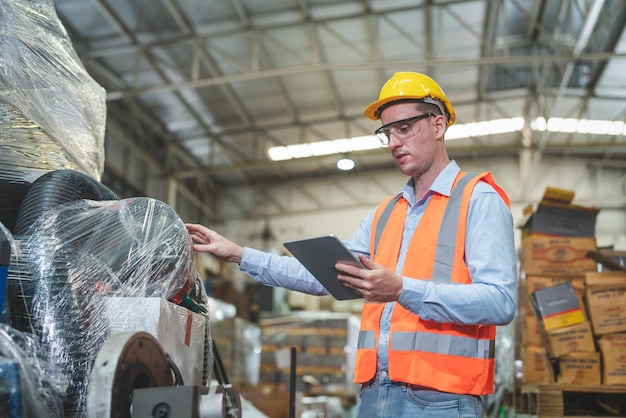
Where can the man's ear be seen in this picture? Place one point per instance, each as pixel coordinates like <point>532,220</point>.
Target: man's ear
<point>441,125</point>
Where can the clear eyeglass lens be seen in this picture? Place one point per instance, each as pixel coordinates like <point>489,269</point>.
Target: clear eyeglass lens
<point>401,130</point>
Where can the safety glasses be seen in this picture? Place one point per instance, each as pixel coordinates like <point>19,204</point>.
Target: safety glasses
<point>401,129</point>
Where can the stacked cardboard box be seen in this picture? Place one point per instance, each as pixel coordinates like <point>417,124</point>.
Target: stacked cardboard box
<point>605,295</point>
<point>584,338</point>
<point>567,335</point>
<point>556,340</point>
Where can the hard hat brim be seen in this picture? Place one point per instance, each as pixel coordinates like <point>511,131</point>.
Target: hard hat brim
<point>372,112</point>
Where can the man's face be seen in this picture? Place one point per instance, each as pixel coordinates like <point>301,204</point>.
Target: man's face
<point>416,152</point>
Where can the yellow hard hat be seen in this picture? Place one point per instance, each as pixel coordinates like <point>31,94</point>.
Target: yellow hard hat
<point>411,86</point>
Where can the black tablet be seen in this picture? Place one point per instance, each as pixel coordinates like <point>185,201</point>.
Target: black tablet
<point>319,255</point>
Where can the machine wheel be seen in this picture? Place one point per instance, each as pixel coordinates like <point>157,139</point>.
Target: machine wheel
<point>127,361</point>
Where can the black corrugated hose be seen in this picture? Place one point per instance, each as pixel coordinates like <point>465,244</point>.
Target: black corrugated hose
<point>27,293</point>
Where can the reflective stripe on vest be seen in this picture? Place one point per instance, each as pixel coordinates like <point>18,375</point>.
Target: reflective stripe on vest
<point>442,271</point>
<point>434,343</point>
<point>382,221</point>
<point>367,339</point>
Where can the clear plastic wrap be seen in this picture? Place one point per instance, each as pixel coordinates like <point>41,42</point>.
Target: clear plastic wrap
<point>52,113</point>
<point>34,386</point>
<point>42,386</point>
<point>77,254</point>
<point>43,78</point>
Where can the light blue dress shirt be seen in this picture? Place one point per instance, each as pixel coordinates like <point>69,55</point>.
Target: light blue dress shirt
<point>489,254</point>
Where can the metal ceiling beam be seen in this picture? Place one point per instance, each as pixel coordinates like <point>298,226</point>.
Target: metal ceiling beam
<point>109,15</point>
<point>330,81</point>
<point>352,66</point>
<point>178,16</point>
<point>266,62</point>
<point>589,23</point>
<point>135,48</point>
<point>116,22</point>
<point>208,60</point>
<point>611,43</point>
<point>241,13</point>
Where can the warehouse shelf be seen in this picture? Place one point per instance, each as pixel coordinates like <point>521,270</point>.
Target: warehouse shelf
<point>558,400</point>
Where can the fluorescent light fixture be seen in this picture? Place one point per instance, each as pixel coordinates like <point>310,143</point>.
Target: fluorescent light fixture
<point>457,131</point>
<point>565,125</point>
<point>278,153</point>
<point>484,128</point>
<point>539,124</point>
<point>586,126</point>
<point>336,146</point>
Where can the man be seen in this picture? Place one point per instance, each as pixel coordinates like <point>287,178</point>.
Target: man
<point>440,268</point>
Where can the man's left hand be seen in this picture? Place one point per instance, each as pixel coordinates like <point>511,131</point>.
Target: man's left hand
<point>374,282</point>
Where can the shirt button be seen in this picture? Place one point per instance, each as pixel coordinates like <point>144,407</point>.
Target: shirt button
<point>383,374</point>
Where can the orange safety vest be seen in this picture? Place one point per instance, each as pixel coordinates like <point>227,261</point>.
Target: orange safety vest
<point>442,356</point>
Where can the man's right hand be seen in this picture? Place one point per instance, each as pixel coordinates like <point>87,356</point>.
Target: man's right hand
<point>208,241</point>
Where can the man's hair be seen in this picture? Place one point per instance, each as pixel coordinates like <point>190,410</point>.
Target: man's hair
<point>428,108</point>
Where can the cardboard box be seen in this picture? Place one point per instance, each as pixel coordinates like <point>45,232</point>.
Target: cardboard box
<point>557,306</point>
<point>580,369</point>
<point>573,339</point>
<point>536,366</point>
<point>532,330</point>
<point>605,294</point>
<point>533,283</point>
<point>556,215</point>
<point>613,349</point>
<point>557,256</point>
<point>179,331</point>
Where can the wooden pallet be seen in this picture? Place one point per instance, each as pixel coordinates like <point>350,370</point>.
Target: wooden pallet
<point>557,400</point>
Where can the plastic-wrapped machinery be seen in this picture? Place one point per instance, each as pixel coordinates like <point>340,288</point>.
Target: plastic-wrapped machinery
<point>52,113</point>
<point>78,253</point>
<point>74,243</point>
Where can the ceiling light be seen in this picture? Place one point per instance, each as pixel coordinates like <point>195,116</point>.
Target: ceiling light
<point>345,164</point>
<point>278,153</point>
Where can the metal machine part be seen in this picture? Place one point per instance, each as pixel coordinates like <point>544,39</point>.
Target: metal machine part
<point>178,401</point>
<point>127,361</point>
<point>133,377</point>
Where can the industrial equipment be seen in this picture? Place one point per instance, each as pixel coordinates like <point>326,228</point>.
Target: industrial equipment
<point>108,289</point>
<point>133,377</point>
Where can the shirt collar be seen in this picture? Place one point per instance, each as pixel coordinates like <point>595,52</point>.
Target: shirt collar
<point>442,184</point>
